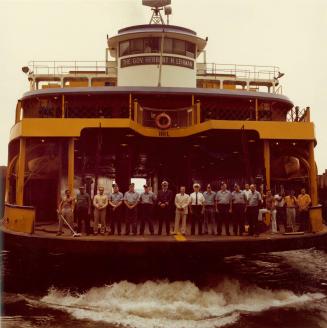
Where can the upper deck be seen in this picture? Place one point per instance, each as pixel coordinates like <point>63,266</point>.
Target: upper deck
<point>66,112</point>
<point>70,74</point>
<point>152,70</point>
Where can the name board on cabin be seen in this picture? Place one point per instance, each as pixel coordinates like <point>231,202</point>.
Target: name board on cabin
<point>155,60</point>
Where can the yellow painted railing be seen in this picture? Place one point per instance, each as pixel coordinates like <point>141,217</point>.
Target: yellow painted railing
<point>73,128</point>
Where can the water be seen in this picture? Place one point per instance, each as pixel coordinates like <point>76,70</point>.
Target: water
<point>287,289</point>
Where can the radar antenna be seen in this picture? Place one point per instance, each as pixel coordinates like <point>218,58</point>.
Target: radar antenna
<point>156,7</point>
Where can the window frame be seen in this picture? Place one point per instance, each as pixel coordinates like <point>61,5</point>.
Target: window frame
<point>182,52</point>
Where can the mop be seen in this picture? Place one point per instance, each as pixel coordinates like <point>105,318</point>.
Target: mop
<point>75,234</point>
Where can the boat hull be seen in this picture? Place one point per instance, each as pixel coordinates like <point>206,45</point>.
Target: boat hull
<point>159,246</point>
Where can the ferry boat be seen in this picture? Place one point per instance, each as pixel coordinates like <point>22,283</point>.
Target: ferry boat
<point>154,109</point>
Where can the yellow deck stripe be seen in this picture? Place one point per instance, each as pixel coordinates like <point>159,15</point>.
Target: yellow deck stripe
<point>180,237</point>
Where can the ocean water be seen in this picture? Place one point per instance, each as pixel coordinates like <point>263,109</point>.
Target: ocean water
<point>286,289</point>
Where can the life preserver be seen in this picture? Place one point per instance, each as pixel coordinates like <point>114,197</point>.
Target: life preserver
<point>163,121</point>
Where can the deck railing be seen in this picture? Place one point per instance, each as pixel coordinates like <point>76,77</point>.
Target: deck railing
<point>180,117</point>
<point>54,68</point>
<point>233,71</point>
<point>299,115</point>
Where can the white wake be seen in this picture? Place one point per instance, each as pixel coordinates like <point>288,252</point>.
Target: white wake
<point>171,304</point>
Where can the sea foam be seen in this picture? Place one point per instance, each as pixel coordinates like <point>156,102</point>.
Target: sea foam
<point>156,304</point>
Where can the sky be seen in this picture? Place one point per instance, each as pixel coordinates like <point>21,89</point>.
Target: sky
<point>291,34</point>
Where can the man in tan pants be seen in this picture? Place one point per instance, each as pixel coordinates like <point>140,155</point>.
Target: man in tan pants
<point>100,202</point>
<point>181,203</point>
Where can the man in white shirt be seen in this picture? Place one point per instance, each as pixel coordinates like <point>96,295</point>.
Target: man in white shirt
<point>181,203</point>
<point>280,210</point>
<point>254,201</point>
<point>196,209</point>
<point>100,202</point>
<point>247,190</point>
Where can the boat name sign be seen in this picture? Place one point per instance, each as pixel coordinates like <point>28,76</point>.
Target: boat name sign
<point>155,60</point>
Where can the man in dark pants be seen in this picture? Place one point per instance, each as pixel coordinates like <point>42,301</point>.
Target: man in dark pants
<point>115,203</point>
<point>254,201</point>
<point>304,202</point>
<point>164,199</point>
<point>196,209</point>
<point>83,210</point>
<point>131,199</point>
<point>147,200</point>
<point>238,210</point>
<point>209,210</point>
<point>223,208</point>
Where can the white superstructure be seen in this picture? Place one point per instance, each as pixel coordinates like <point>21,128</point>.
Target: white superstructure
<point>156,55</point>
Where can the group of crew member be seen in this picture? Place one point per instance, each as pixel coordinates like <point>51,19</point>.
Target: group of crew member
<point>210,211</point>
<point>285,210</point>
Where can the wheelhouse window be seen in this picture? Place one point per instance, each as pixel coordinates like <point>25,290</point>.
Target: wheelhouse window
<point>168,46</point>
<point>179,47</point>
<point>124,48</point>
<point>190,49</point>
<point>136,46</point>
<point>152,45</point>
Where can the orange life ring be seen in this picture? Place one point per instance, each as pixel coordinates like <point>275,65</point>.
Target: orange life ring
<point>163,121</point>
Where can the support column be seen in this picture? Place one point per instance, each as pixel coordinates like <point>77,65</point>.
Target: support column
<point>313,175</point>
<point>155,187</point>
<point>198,112</point>
<point>18,111</point>
<point>130,106</point>
<point>266,154</point>
<point>135,111</point>
<point>193,111</point>
<point>21,172</point>
<point>71,173</point>
<point>193,114</point>
<point>316,209</point>
<point>63,106</point>
<point>256,110</point>
<point>123,168</point>
<point>110,185</point>
<point>59,171</point>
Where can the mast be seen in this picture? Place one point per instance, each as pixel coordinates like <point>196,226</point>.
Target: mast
<point>157,6</point>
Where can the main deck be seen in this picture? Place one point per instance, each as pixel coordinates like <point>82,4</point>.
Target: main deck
<point>44,240</point>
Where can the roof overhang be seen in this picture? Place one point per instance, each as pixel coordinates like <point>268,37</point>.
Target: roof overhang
<point>141,31</point>
<point>159,91</point>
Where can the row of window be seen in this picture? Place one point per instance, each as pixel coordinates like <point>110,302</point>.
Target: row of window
<point>153,45</point>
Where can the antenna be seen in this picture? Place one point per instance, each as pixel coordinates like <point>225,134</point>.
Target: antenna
<point>156,7</point>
